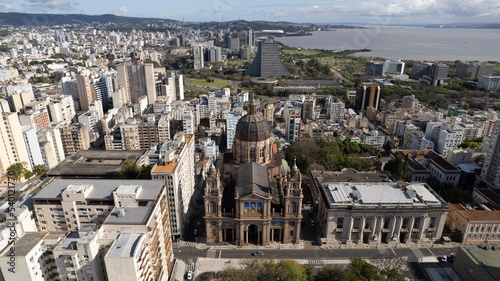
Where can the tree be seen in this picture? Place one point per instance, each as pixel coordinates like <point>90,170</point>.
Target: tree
<point>331,273</point>
<point>40,169</point>
<point>129,170</point>
<point>17,170</point>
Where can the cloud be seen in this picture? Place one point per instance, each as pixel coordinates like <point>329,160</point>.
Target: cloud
<point>52,4</point>
<point>394,8</point>
<point>122,11</point>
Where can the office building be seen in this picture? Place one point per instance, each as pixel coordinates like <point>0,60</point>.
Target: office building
<point>474,69</point>
<point>488,83</point>
<point>292,123</point>
<point>267,61</point>
<point>420,70</point>
<point>137,79</point>
<point>375,68</point>
<point>234,43</point>
<point>374,213</point>
<point>367,95</point>
<point>491,167</point>
<point>394,67</point>
<point>439,73</point>
<point>176,168</point>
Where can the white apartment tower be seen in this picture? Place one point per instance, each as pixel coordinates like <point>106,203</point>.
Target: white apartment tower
<point>491,168</point>
<point>12,146</point>
<point>177,170</point>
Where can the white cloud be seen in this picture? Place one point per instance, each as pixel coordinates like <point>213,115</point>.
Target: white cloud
<point>397,8</point>
<point>53,4</point>
<point>122,11</point>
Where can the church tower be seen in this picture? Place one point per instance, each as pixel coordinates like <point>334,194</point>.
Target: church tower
<point>293,205</point>
<point>213,204</point>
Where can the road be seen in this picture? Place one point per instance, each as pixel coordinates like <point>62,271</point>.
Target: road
<point>315,253</point>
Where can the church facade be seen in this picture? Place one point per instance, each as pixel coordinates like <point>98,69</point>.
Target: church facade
<point>259,203</point>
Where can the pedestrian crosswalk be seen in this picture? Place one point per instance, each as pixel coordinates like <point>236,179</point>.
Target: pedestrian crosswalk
<point>211,254</point>
<point>417,253</point>
<point>190,266</point>
<point>315,262</point>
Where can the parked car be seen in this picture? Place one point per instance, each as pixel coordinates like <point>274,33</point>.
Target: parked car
<point>444,258</point>
<point>189,275</point>
<point>258,253</point>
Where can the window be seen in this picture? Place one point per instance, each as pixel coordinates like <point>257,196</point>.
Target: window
<point>368,223</point>
<point>387,221</point>
<point>416,223</point>
<point>355,224</point>
<point>405,223</point>
<point>432,223</point>
<point>340,223</point>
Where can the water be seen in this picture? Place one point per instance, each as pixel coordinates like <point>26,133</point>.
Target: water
<point>415,43</point>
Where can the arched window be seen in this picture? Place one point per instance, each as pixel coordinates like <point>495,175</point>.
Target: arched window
<point>212,208</point>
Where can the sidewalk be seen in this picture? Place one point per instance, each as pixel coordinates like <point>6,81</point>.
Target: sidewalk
<point>179,270</point>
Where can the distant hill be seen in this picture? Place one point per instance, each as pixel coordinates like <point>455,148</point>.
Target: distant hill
<point>18,19</point>
<point>466,25</point>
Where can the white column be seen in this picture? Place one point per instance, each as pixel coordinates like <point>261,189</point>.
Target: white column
<point>349,230</point>
<point>410,228</point>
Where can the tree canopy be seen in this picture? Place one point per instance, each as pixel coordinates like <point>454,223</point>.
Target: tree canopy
<point>130,170</point>
<point>332,155</point>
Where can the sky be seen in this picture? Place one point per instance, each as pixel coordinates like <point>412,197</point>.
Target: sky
<point>380,12</point>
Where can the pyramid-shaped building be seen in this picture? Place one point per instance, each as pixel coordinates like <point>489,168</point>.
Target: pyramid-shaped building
<point>267,62</point>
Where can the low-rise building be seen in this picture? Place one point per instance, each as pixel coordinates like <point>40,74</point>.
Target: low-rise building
<point>367,207</point>
<point>474,224</point>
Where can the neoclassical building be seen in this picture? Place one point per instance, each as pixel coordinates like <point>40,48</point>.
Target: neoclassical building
<point>258,202</point>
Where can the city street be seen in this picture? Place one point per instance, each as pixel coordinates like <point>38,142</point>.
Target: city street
<point>313,253</point>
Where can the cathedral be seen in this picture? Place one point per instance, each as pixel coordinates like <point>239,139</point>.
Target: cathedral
<point>258,199</point>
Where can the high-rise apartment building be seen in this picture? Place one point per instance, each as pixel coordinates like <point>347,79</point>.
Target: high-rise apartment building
<point>336,110</point>
<point>188,122</point>
<point>449,140</point>
<point>75,137</point>
<point>231,121</point>
<point>292,128</point>
<point>179,87</point>
<point>268,113</point>
<point>137,79</point>
<point>32,146</point>
<point>12,146</point>
<point>86,92</point>
<point>198,57</point>
<point>176,168</point>
<point>250,38</point>
<point>491,167</point>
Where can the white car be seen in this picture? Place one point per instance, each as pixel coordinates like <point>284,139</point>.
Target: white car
<point>189,275</point>
<point>312,223</point>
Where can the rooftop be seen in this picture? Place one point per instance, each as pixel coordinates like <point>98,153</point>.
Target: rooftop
<point>477,215</point>
<point>96,163</point>
<point>125,246</point>
<point>103,188</point>
<point>25,244</point>
<point>413,157</point>
<point>363,194</point>
<point>69,242</point>
<point>130,215</point>
<point>253,178</point>
<point>167,168</point>
<point>489,259</point>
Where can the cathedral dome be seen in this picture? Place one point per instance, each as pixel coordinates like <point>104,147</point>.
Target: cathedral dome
<point>252,128</point>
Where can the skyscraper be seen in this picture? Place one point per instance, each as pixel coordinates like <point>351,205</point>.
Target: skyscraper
<point>137,79</point>
<point>250,38</point>
<point>491,168</point>
<point>368,95</point>
<point>198,60</point>
<point>267,61</point>
<point>85,92</point>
